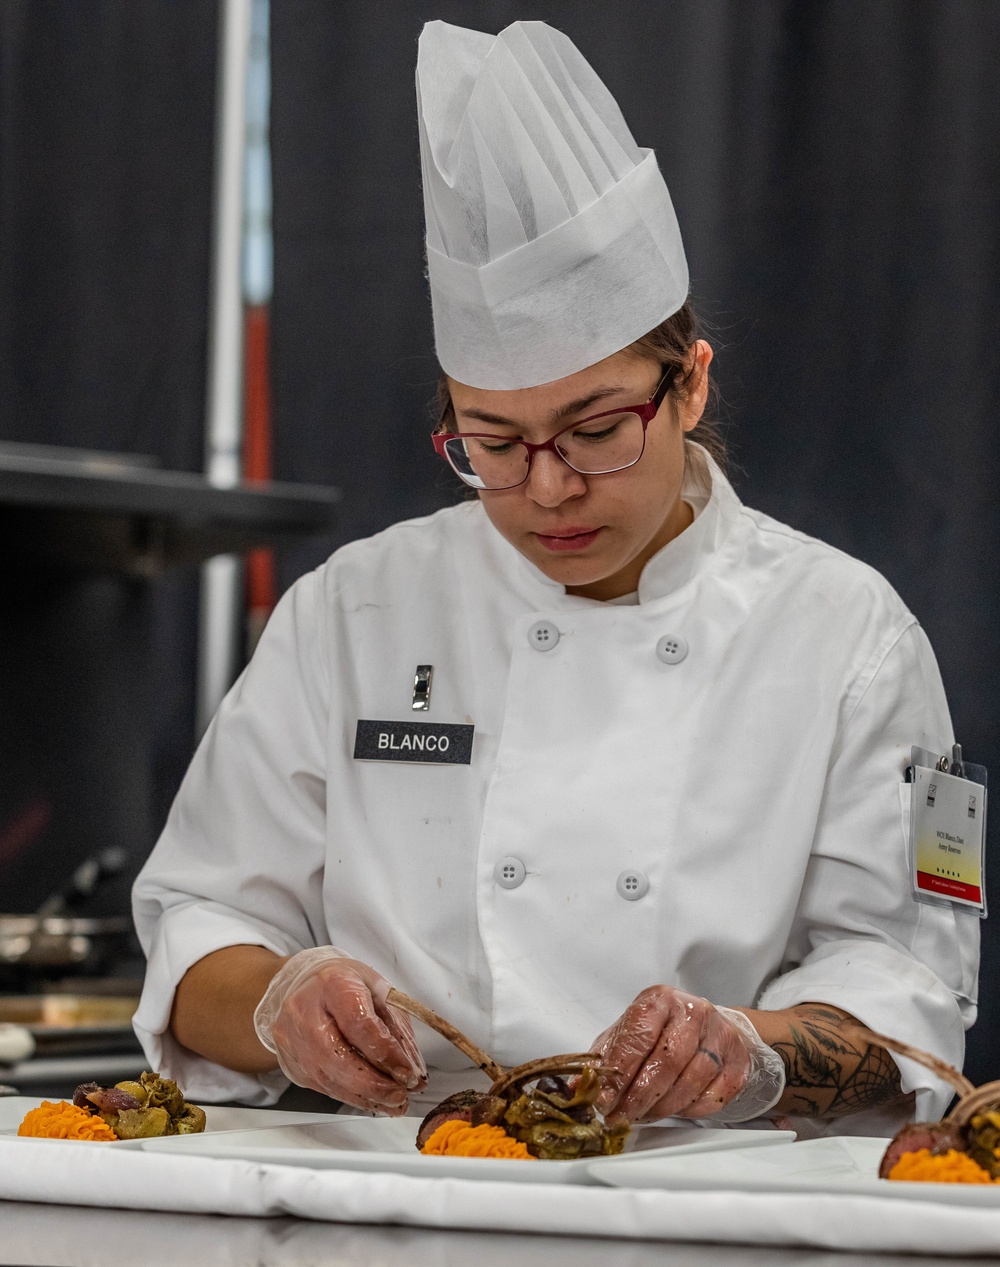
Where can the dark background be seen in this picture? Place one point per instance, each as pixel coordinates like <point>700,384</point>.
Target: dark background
<point>836,171</point>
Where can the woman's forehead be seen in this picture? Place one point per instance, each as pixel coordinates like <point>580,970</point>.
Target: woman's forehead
<point>620,379</point>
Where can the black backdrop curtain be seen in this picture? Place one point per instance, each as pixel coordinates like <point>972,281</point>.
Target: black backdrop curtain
<point>835,168</point>
<point>106,127</point>
<point>105,196</point>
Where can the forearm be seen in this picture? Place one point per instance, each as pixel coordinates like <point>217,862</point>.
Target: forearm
<point>829,1071</point>
<point>214,1006</point>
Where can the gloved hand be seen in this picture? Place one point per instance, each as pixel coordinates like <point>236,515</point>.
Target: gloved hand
<point>325,1017</point>
<point>679,1056</point>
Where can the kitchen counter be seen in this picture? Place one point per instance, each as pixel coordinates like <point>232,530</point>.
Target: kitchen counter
<point>61,1236</point>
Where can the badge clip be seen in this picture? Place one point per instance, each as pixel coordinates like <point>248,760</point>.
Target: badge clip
<point>422,688</point>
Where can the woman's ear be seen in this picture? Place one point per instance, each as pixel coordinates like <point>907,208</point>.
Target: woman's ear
<point>691,405</point>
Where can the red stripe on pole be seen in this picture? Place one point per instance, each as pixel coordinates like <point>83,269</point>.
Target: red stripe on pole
<point>257,463</point>
<point>261,581</point>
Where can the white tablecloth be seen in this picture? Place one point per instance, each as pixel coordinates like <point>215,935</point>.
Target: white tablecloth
<point>98,1175</point>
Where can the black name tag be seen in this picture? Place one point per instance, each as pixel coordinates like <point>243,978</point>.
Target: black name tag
<point>436,742</point>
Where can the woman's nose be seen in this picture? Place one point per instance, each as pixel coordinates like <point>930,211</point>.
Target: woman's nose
<point>550,481</point>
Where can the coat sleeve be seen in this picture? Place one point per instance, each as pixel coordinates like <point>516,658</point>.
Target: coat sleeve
<point>241,858</point>
<point>860,941</point>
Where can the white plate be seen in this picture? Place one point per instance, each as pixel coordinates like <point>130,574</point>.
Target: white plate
<point>388,1144</point>
<point>217,1119</point>
<point>842,1164</point>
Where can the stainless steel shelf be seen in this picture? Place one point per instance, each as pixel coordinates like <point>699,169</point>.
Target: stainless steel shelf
<point>57,1076</point>
<point>115,511</point>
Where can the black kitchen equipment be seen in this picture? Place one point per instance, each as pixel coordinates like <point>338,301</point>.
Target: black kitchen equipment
<point>55,943</point>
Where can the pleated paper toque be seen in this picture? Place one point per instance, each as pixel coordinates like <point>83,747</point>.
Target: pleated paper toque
<point>551,238</point>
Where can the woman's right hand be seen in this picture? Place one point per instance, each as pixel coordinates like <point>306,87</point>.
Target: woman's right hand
<point>326,1019</point>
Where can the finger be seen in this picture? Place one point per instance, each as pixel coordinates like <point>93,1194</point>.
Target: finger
<point>399,1025</point>
<point>396,1021</point>
<point>348,1000</point>
<point>699,1073</point>
<point>334,1066</point>
<point>733,1074</point>
<point>731,1080</point>
<point>674,1049</point>
<point>716,1095</point>
<point>719,1051</point>
<point>627,1044</point>
<point>314,1053</point>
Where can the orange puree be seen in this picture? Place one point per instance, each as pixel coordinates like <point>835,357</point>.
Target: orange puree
<point>459,1139</point>
<point>64,1121</point>
<point>950,1167</point>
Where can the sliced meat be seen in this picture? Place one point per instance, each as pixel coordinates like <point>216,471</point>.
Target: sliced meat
<point>456,1108</point>
<point>112,1100</point>
<point>81,1096</point>
<point>97,1099</point>
<point>489,1110</point>
<point>937,1137</point>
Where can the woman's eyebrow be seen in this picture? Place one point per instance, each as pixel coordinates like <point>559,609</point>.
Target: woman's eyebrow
<point>572,407</point>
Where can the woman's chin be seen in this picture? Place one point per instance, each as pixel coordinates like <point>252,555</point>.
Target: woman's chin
<point>572,572</point>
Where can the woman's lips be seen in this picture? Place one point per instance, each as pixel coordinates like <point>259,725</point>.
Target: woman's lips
<point>572,540</point>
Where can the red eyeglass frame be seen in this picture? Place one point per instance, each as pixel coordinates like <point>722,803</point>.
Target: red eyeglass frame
<point>646,413</point>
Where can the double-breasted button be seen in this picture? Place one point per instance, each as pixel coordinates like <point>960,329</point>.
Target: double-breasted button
<point>543,635</point>
<point>509,872</point>
<point>671,649</point>
<point>632,885</point>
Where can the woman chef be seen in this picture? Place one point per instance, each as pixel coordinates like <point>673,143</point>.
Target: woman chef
<point>647,781</point>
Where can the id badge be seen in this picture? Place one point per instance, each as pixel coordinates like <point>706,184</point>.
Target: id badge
<point>947,834</point>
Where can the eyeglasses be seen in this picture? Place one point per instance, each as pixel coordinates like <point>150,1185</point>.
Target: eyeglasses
<point>598,445</point>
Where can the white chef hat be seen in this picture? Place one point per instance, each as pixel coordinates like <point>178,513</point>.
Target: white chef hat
<point>551,238</point>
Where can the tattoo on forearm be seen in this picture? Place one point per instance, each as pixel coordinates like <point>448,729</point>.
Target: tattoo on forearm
<point>830,1073</point>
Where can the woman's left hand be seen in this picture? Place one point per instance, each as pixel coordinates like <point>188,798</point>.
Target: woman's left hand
<point>675,1055</point>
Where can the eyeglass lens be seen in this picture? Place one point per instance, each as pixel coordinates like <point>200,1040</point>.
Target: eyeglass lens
<point>611,444</point>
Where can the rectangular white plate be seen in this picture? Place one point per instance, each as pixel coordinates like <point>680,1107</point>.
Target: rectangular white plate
<point>217,1119</point>
<point>388,1144</point>
<point>841,1164</point>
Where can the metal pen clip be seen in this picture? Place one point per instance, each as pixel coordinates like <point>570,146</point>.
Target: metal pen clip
<point>953,766</point>
<point>422,688</point>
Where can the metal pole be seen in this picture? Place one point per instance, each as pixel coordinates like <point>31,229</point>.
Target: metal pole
<point>221,579</point>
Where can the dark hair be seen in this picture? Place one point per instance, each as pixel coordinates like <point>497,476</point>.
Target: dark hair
<point>669,344</point>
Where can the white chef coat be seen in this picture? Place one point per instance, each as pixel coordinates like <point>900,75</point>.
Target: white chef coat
<point>757,784</point>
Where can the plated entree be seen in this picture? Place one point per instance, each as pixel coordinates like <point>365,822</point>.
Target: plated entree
<point>147,1108</point>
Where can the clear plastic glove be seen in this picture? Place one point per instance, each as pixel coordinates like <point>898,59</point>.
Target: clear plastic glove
<point>766,1083</point>
<point>325,1017</point>
<point>679,1056</point>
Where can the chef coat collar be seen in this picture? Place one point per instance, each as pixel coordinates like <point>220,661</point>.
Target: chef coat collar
<point>716,509</point>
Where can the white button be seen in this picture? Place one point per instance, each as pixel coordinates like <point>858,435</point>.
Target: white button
<point>671,649</point>
<point>543,635</point>
<point>632,885</point>
<point>509,873</point>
